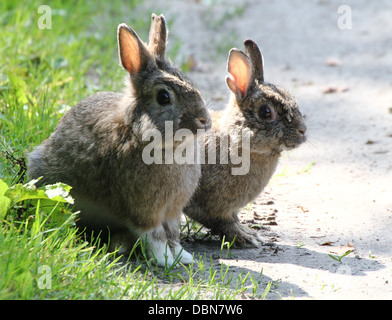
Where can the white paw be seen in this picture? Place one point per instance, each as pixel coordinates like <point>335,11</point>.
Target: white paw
<point>161,252</point>
<point>186,257</point>
<point>157,249</point>
<point>164,260</point>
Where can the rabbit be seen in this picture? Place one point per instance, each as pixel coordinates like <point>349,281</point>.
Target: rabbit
<point>271,118</point>
<point>97,148</point>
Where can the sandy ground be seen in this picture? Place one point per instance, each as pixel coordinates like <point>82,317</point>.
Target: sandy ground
<point>333,194</point>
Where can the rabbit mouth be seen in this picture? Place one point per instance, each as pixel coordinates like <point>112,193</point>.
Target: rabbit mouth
<point>292,144</point>
<point>195,124</point>
<point>203,123</point>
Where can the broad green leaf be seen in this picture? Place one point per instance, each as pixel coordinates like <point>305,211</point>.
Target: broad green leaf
<point>5,202</point>
<point>59,192</point>
<point>3,187</point>
<point>19,193</point>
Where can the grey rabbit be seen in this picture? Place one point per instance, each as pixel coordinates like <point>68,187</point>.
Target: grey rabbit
<point>97,148</point>
<point>270,116</point>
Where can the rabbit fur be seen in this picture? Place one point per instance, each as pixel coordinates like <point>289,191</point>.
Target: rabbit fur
<point>97,149</point>
<point>271,118</point>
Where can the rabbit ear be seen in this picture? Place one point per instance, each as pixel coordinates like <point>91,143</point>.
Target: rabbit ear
<point>158,35</point>
<point>254,53</point>
<point>241,73</point>
<point>132,51</point>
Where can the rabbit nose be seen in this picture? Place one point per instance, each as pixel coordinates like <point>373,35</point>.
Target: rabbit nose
<point>203,123</point>
<point>302,130</point>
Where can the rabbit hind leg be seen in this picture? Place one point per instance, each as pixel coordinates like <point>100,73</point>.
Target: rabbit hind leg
<point>172,230</point>
<point>156,245</point>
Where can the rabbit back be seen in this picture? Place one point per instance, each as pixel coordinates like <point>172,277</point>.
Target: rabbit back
<point>94,152</point>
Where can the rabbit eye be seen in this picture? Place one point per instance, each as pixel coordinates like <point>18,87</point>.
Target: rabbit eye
<point>265,112</point>
<point>163,97</point>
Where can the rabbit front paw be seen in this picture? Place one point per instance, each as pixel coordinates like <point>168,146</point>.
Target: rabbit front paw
<point>185,256</point>
<point>161,252</point>
<point>243,236</point>
<point>166,256</point>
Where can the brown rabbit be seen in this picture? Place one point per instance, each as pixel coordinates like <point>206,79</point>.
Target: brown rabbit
<point>269,117</point>
<point>97,148</point>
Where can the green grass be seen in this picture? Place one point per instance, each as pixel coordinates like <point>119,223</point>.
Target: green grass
<point>43,256</point>
<point>339,258</point>
<point>43,73</point>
